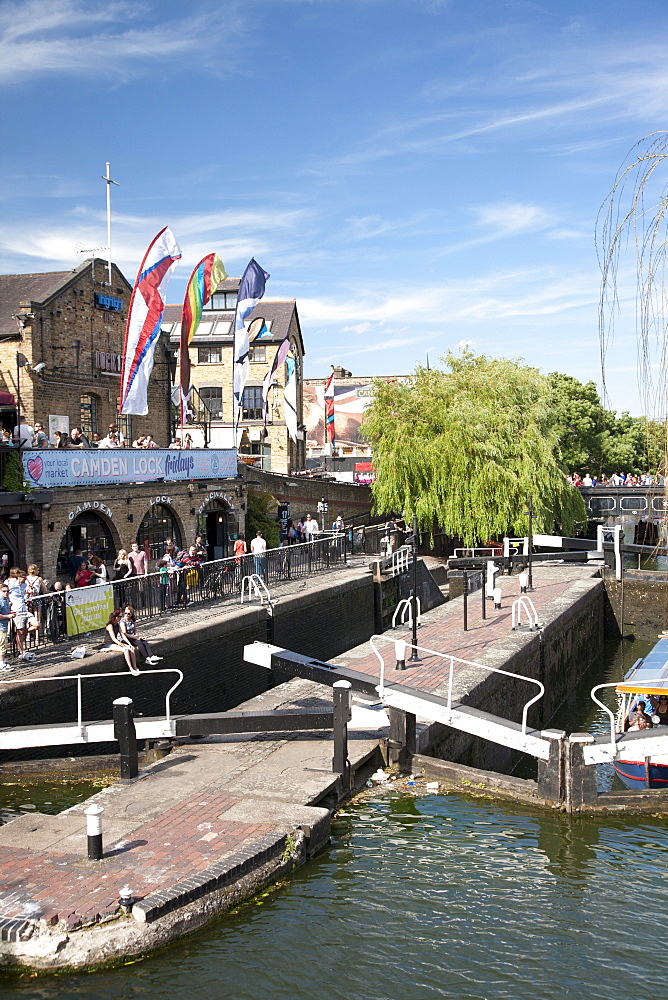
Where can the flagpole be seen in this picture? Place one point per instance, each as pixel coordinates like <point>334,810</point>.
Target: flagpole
<point>107,177</point>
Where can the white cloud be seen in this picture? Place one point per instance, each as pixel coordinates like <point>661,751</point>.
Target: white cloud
<point>74,38</point>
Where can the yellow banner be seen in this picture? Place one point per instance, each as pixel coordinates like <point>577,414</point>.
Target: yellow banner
<point>88,608</point>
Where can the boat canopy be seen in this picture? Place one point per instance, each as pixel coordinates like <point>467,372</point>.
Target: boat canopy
<point>649,675</point>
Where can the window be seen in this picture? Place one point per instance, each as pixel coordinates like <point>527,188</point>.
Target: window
<point>660,503</point>
<point>261,453</point>
<point>251,403</point>
<point>223,300</point>
<point>88,415</point>
<point>209,355</point>
<point>212,396</point>
<point>258,352</point>
<point>158,525</point>
<point>599,504</point>
<point>124,424</point>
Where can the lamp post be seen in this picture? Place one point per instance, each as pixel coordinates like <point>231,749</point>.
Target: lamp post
<point>414,657</point>
<point>530,515</point>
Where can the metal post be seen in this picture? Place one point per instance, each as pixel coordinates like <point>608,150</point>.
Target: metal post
<point>93,816</point>
<point>401,745</point>
<point>414,658</point>
<point>125,733</point>
<point>342,715</point>
<point>482,591</point>
<point>530,543</point>
<point>466,600</point>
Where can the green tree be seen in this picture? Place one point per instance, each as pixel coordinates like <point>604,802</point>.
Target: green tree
<point>466,447</point>
<point>580,421</point>
<point>595,440</point>
<point>258,517</point>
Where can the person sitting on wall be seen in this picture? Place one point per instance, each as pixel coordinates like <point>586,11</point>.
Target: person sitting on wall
<point>118,643</point>
<point>128,627</point>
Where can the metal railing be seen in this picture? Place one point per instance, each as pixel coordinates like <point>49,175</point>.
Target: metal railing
<point>85,677</point>
<point>453,660</point>
<point>525,604</point>
<point>218,580</point>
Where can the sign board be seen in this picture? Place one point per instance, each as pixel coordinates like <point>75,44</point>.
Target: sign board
<point>88,608</point>
<point>89,466</point>
<point>58,423</point>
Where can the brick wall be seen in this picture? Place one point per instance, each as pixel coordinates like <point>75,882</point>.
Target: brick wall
<point>348,498</point>
<point>72,315</point>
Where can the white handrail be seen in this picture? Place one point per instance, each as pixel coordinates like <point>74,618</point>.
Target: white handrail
<point>80,677</point>
<point>614,684</point>
<point>406,606</point>
<point>468,663</point>
<point>259,587</point>
<point>530,610</point>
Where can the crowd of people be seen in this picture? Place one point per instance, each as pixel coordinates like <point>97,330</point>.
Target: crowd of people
<point>26,436</point>
<point>616,479</point>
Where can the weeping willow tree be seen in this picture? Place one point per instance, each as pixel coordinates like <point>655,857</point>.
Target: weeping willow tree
<point>466,447</point>
<point>633,223</point>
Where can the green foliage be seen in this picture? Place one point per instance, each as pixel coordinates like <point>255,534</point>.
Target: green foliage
<point>466,448</point>
<point>595,440</point>
<point>14,479</point>
<point>258,517</point>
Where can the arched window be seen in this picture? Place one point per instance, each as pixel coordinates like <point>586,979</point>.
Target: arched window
<point>158,525</point>
<point>90,533</point>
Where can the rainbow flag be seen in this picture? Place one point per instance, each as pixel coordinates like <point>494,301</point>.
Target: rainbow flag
<point>204,280</point>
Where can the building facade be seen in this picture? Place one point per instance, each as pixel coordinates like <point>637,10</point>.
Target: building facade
<point>61,342</point>
<point>268,447</point>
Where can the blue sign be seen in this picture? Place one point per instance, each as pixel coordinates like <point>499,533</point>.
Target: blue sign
<point>108,302</point>
<point>63,467</point>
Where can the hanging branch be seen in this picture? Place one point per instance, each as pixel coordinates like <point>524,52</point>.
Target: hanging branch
<point>635,212</point>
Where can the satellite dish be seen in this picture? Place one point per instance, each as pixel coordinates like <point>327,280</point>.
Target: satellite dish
<point>255,328</point>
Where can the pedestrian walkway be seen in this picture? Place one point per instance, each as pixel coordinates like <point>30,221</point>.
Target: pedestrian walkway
<point>442,630</point>
<point>195,823</point>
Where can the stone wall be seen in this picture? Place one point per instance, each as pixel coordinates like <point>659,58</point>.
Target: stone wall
<point>321,622</point>
<point>562,653</point>
<point>645,596</point>
<point>348,498</point>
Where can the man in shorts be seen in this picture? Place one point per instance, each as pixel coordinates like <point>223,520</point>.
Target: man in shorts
<point>6,615</point>
<point>24,621</point>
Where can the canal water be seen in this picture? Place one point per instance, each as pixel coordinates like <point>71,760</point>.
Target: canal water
<point>437,895</point>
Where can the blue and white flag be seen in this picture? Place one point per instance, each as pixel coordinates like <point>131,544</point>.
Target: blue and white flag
<point>251,291</point>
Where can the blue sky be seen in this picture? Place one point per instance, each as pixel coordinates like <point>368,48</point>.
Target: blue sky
<point>417,174</point>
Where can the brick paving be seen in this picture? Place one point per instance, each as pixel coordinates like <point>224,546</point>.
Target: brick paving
<point>186,840</point>
<point>190,848</point>
<point>442,630</point>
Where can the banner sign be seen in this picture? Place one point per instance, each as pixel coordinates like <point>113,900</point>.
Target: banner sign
<point>85,467</point>
<point>88,608</point>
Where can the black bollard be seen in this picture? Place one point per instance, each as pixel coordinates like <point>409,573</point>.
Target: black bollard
<point>125,733</point>
<point>482,591</point>
<point>342,715</point>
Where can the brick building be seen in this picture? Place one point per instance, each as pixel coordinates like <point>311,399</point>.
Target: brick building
<point>61,341</point>
<point>211,359</point>
<point>73,324</point>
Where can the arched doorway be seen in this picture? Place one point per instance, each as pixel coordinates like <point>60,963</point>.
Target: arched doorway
<point>90,533</point>
<point>218,524</point>
<point>159,524</point>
